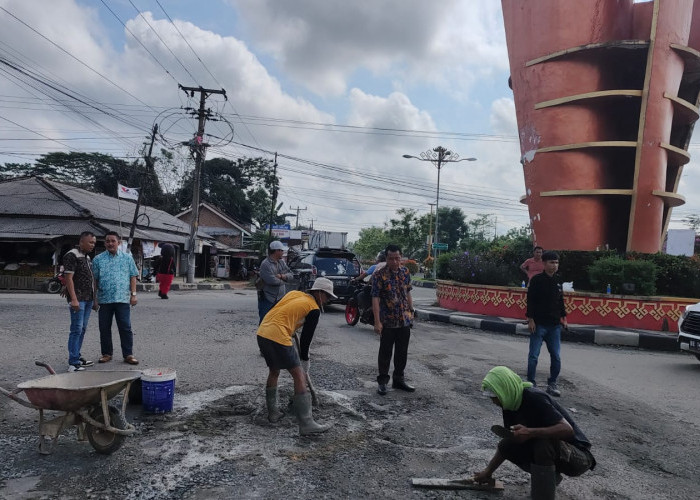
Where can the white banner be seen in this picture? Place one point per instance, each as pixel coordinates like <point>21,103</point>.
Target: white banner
<point>150,249</point>
<point>127,192</point>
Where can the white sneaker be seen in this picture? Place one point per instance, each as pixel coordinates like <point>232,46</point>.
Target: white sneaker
<point>76,368</point>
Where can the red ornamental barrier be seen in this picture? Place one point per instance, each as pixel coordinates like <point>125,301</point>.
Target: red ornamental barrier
<point>626,311</point>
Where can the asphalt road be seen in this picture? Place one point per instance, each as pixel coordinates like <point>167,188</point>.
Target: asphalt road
<point>640,410</point>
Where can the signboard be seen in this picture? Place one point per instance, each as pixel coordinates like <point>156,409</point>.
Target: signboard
<point>281,234</point>
<point>439,246</point>
<point>680,242</point>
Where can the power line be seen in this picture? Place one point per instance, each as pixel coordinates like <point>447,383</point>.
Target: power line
<point>139,41</point>
<point>72,56</point>
<point>188,43</point>
<point>162,41</point>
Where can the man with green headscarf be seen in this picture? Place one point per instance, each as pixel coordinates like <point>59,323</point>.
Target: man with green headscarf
<point>539,435</point>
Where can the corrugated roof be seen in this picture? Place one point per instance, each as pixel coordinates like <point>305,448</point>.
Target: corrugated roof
<point>105,208</point>
<point>147,234</point>
<point>20,227</point>
<point>29,196</point>
<point>20,199</point>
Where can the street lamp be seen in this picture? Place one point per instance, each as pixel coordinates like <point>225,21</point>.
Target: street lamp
<point>438,156</point>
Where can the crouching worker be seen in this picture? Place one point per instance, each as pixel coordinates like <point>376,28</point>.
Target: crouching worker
<point>276,345</point>
<point>538,436</point>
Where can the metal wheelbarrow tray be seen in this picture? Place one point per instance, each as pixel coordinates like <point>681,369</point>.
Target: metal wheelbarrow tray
<point>83,396</point>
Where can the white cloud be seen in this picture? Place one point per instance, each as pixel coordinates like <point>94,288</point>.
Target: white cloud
<point>321,43</point>
<point>503,120</point>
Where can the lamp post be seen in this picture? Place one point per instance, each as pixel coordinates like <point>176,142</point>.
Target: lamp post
<point>438,156</point>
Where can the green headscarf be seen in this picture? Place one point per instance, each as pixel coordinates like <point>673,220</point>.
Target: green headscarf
<point>506,385</point>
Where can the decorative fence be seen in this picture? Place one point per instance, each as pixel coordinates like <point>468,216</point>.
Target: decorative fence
<point>627,311</point>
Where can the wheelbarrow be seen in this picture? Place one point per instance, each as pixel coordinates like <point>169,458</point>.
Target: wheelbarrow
<point>83,396</point>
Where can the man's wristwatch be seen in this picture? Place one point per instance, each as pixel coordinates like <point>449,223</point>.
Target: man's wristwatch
<point>133,294</point>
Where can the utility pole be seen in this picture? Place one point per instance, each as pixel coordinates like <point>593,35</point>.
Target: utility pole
<point>438,156</point>
<point>274,200</point>
<point>199,147</point>
<point>144,180</point>
<point>430,230</point>
<point>297,209</point>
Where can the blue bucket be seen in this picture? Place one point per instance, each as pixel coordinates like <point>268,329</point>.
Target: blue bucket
<point>158,389</point>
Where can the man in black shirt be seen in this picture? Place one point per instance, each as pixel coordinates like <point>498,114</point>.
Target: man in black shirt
<point>538,436</point>
<point>545,317</point>
<point>80,294</point>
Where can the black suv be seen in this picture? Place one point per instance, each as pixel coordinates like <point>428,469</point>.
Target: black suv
<point>336,264</point>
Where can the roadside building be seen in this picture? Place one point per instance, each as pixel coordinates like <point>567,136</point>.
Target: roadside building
<point>230,249</point>
<point>40,220</point>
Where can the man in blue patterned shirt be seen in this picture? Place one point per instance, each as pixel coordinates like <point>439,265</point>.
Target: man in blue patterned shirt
<point>392,306</point>
<point>115,280</point>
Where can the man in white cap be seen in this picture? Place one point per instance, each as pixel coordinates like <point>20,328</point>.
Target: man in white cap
<point>277,347</point>
<point>275,273</point>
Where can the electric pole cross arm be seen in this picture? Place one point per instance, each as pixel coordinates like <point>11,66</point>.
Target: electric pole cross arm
<point>200,153</point>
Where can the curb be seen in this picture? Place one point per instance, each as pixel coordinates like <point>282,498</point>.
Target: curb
<point>153,287</point>
<point>423,284</point>
<point>575,333</point>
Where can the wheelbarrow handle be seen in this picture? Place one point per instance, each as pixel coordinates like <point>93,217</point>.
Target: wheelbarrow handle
<point>13,395</point>
<point>45,365</point>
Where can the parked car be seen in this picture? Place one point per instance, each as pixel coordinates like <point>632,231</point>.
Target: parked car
<point>689,330</point>
<point>338,265</point>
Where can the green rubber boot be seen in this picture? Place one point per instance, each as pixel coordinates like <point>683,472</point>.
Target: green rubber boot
<point>302,407</point>
<point>543,482</point>
<point>273,412</point>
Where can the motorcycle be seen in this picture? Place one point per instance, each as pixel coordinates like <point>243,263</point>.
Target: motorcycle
<point>148,275</point>
<point>55,284</point>
<point>359,306</point>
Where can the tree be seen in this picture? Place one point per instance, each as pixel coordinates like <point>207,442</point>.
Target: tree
<point>242,188</point>
<point>692,221</point>
<point>371,241</point>
<point>94,172</point>
<point>452,227</point>
<point>405,231</point>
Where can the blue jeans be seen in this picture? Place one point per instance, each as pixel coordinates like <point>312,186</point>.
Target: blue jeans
<point>122,313</point>
<point>264,306</point>
<point>78,325</point>
<point>551,335</point>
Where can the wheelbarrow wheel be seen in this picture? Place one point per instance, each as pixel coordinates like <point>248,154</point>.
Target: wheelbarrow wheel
<point>102,440</point>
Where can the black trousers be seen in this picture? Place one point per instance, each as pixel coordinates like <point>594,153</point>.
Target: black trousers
<point>567,458</point>
<point>393,340</point>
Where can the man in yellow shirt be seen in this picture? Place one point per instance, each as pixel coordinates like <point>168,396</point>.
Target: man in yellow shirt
<point>277,347</point>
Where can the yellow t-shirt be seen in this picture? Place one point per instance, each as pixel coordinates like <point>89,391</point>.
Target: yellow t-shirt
<point>286,316</point>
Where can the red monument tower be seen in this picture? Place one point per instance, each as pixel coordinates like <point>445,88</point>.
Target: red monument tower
<point>606,96</point>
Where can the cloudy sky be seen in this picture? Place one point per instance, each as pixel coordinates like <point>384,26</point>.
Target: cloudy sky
<point>339,89</point>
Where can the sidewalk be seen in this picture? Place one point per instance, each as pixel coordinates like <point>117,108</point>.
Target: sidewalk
<point>587,334</point>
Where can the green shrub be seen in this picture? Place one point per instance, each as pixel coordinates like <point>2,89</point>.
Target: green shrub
<point>574,264</point>
<point>676,275</point>
<point>486,269</point>
<point>616,271</point>
<point>443,266</point>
